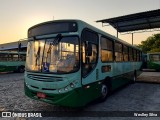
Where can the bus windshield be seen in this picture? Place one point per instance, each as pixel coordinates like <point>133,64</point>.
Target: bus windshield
<point>48,56</point>
<point>155,57</point>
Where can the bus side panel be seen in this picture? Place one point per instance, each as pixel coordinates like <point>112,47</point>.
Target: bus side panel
<point>122,74</point>
<point>119,81</point>
<point>153,65</point>
<point>126,73</point>
<point>10,66</point>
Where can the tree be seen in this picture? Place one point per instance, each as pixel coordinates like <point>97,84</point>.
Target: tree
<point>152,44</point>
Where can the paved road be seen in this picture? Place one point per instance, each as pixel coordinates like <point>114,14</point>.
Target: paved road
<point>150,77</point>
<point>134,97</point>
<point>145,74</point>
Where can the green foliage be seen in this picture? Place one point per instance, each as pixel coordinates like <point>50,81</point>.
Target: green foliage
<point>152,44</point>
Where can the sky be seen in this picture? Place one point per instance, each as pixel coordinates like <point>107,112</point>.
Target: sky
<point>17,16</point>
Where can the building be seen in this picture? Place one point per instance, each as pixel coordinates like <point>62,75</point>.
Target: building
<point>14,46</point>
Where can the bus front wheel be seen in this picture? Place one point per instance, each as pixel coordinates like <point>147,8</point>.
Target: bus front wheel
<point>21,69</point>
<point>104,92</point>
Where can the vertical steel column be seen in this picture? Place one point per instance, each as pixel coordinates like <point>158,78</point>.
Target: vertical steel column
<point>132,38</point>
<point>117,29</point>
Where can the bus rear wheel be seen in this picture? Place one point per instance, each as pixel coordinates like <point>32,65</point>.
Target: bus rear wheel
<point>134,77</point>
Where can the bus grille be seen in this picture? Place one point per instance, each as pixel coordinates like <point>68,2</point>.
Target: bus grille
<point>44,78</point>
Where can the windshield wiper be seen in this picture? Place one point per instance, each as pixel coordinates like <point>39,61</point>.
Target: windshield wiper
<point>57,39</point>
<point>55,42</point>
<point>38,54</point>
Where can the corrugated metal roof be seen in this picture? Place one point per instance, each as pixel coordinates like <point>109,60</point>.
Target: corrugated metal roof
<point>13,45</point>
<point>137,21</point>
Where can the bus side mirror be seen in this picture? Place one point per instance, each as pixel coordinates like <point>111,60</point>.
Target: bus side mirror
<point>89,49</point>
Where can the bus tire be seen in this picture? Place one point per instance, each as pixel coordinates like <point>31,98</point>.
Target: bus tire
<point>104,92</point>
<point>21,69</point>
<point>134,79</point>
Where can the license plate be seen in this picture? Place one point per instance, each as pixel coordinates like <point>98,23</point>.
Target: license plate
<point>41,95</point>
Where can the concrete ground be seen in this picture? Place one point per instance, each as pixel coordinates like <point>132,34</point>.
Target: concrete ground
<point>137,97</point>
<point>151,77</point>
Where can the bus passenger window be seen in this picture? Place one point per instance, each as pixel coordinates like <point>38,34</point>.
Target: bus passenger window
<point>135,55</point>
<point>106,50</point>
<point>130,54</point>
<point>138,55</point>
<point>15,57</point>
<point>125,53</point>
<point>154,57</point>
<point>118,52</point>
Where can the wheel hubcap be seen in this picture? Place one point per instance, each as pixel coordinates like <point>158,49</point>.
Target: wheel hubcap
<point>104,91</point>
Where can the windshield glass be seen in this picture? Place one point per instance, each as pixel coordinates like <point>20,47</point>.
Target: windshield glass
<point>52,56</point>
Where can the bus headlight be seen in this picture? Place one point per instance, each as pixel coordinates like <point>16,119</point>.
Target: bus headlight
<point>72,85</point>
<point>60,91</point>
<point>66,89</point>
<point>27,84</point>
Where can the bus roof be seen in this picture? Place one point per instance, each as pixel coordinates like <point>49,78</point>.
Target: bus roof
<point>154,53</point>
<point>107,34</point>
<point>86,25</point>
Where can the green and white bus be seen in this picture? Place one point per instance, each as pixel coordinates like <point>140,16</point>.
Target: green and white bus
<point>12,61</point>
<point>71,63</point>
<point>153,61</point>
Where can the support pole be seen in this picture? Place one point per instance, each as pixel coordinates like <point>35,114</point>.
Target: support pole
<point>132,38</point>
<point>117,29</point>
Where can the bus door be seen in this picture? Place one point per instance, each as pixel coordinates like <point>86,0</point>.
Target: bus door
<point>89,63</point>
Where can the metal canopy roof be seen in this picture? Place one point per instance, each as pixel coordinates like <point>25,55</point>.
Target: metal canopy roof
<point>137,21</point>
